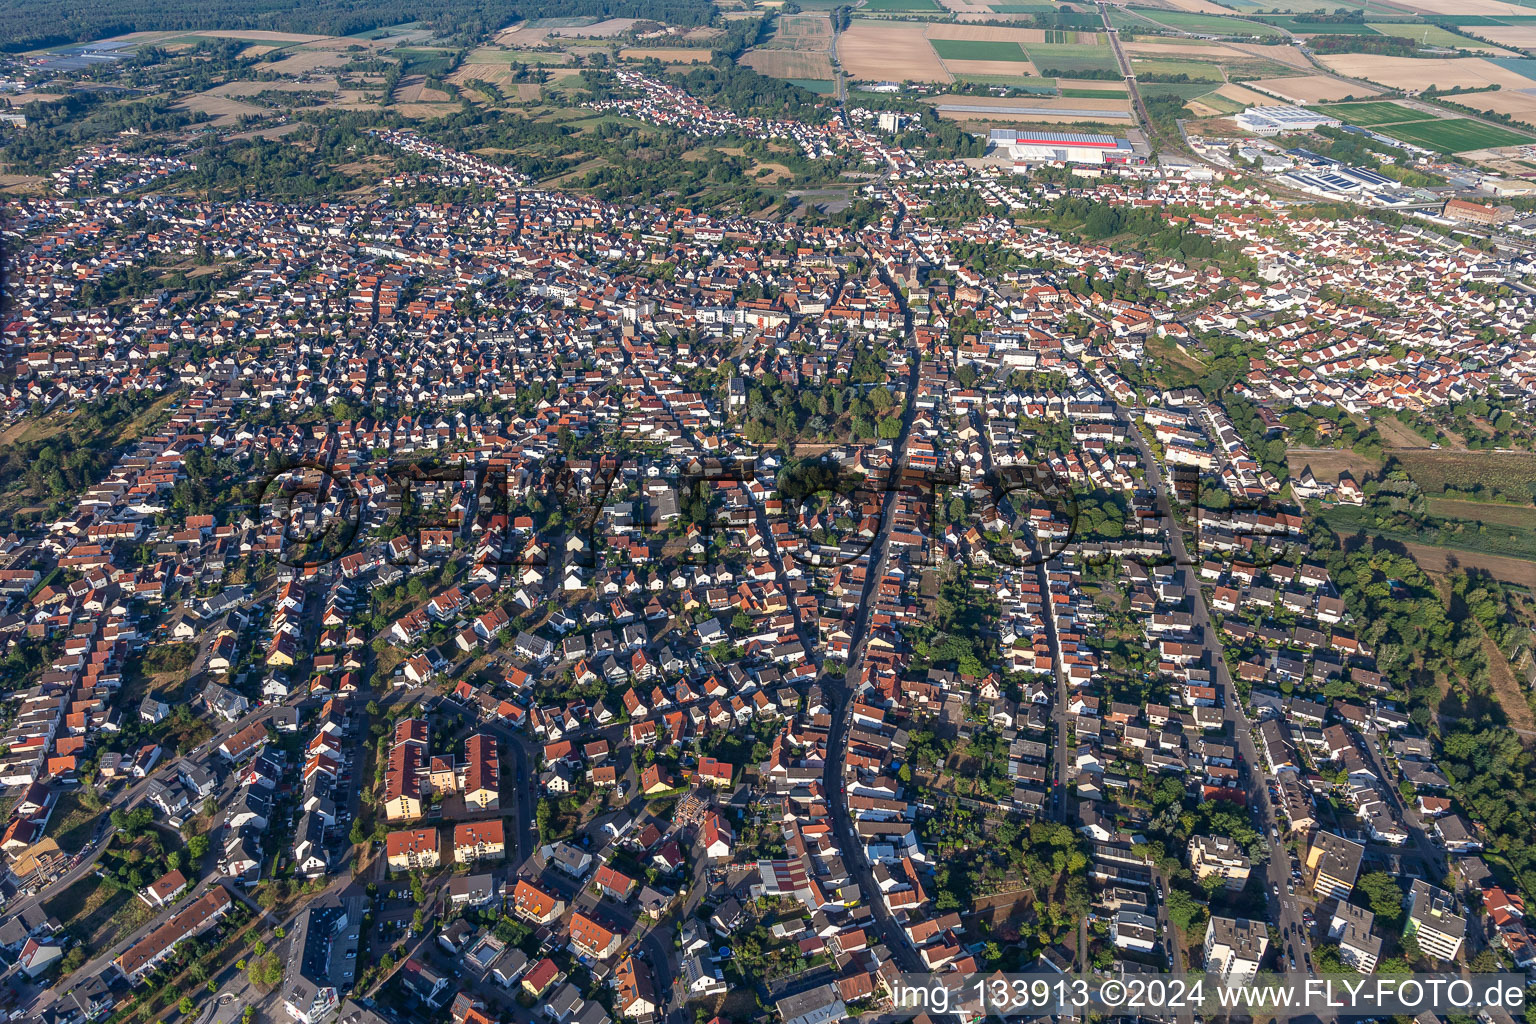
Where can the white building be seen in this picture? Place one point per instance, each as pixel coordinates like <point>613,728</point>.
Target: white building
<point>1265,121</point>
<point>1061,147</point>
<point>1433,920</point>
<point>1234,948</point>
<point>1134,931</point>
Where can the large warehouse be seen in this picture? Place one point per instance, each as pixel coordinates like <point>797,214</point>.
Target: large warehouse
<point>1037,147</point>
<point>1274,120</point>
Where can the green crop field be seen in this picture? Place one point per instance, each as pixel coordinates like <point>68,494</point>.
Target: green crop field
<point>1023,8</point>
<point>1454,134</point>
<point>1072,59</point>
<point>1291,23</point>
<point>1465,471</point>
<point>978,49</point>
<point>1213,24</point>
<point>815,85</point>
<point>901,6</point>
<point>1093,94</point>
<point>1197,70</point>
<point>1183,90</point>
<point>1431,35</point>
<point>1369,115</point>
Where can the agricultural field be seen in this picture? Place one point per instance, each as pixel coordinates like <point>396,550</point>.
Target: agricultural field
<point>1071,59</point>
<point>978,49</point>
<point>1434,472</point>
<point>1372,114</point>
<point>1207,24</point>
<point>801,32</point>
<point>1197,70</point>
<point>899,7</point>
<point>877,51</point>
<point>1291,23</point>
<point>1429,35</point>
<point>1454,134</point>
<point>789,64</point>
<point>1311,89</point>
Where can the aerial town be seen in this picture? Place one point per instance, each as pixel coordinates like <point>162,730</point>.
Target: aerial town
<point>597,524</point>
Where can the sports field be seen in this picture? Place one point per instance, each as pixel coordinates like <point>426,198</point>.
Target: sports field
<point>1369,115</point>
<point>978,49</point>
<point>1454,134</point>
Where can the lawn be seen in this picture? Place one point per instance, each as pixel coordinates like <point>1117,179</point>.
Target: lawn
<point>1369,115</point>
<point>72,821</point>
<point>1454,134</point>
<point>978,49</point>
<point>97,915</point>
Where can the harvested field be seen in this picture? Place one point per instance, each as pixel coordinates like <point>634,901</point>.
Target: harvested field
<point>668,55</point>
<point>789,63</point>
<point>1242,94</point>
<point>1521,36</point>
<point>223,109</point>
<point>1492,8</point>
<point>524,34</point>
<point>1198,6</point>
<point>986,33</point>
<point>252,88</point>
<point>1149,48</point>
<point>802,32</point>
<point>874,51</point>
<point>601,30</point>
<point>1326,466</point>
<point>1306,89</point>
<point>1413,73</point>
<point>299,61</point>
<point>262,36</point>
<point>413,89</point>
<point>425,111</point>
<point>1288,54</point>
<point>501,77</point>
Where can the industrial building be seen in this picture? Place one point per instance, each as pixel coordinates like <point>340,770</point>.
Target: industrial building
<point>1265,121</point>
<point>1028,146</point>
